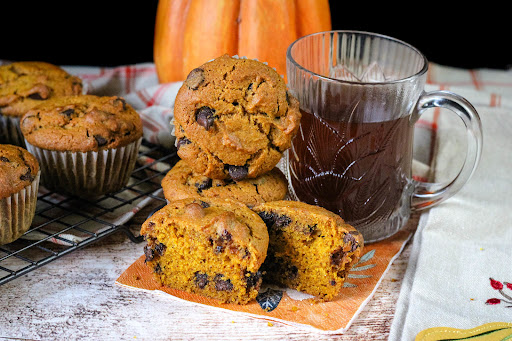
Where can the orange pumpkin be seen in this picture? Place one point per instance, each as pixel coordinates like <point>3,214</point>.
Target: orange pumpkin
<point>188,33</point>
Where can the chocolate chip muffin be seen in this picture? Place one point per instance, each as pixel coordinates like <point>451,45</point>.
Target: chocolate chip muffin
<point>311,249</point>
<point>87,145</point>
<point>19,182</point>
<point>181,182</point>
<point>210,247</point>
<point>234,118</point>
<point>24,85</point>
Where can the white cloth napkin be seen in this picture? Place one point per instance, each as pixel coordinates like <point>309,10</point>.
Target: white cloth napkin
<point>461,256</point>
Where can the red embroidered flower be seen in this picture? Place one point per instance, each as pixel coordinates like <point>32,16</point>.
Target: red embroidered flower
<point>493,301</point>
<point>496,284</point>
<point>509,285</point>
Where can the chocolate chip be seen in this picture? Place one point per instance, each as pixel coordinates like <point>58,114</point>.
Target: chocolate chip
<point>332,282</point>
<point>151,224</point>
<point>182,142</point>
<point>36,96</point>
<point>100,140</point>
<point>282,221</point>
<point>68,112</point>
<point>222,284</point>
<point>121,100</point>
<point>249,87</point>
<point>160,249</point>
<point>149,252</point>
<point>348,238</point>
<point>204,204</point>
<point>306,230</point>
<point>201,280</point>
<point>158,269</point>
<point>252,279</point>
<point>337,256</point>
<point>310,229</point>
<point>238,173</point>
<point>291,271</point>
<point>268,218</point>
<point>205,117</point>
<point>203,185</point>
<point>195,78</point>
<point>4,159</point>
<point>226,236</point>
<point>27,176</point>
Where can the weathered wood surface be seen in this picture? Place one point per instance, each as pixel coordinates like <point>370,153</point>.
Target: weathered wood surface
<point>75,298</point>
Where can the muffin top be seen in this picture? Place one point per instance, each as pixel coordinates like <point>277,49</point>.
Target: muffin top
<point>18,168</point>
<point>234,118</point>
<point>211,220</point>
<point>24,85</point>
<point>82,123</point>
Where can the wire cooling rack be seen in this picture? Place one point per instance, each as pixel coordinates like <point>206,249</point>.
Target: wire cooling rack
<point>63,224</point>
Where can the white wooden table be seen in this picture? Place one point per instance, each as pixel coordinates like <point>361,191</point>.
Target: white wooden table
<point>75,298</point>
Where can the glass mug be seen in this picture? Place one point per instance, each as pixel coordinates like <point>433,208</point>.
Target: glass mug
<point>360,95</point>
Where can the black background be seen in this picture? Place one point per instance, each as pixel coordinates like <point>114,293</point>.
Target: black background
<point>110,33</point>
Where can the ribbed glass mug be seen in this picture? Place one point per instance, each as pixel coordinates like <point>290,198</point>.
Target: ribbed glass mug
<point>360,95</point>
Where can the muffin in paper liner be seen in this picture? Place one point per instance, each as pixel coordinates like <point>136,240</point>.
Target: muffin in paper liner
<point>25,85</point>
<point>17,212</point>
<point>86,174</point>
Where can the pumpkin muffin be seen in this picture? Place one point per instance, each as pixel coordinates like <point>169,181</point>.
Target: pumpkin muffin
<point>210,247</point>
<point>181,182</point>
<point>234,118</point>
<point>311,249</point>
<point>24,85</point>
<point>19,182</point>
<point>87,145</point>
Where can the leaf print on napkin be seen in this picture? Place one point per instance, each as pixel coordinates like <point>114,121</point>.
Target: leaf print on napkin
<point>269,299</point>
<point>365,258</point>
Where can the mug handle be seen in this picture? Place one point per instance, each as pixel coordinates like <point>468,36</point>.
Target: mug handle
<point>428,194</point>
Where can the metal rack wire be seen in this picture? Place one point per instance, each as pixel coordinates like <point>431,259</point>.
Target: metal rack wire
<point>63,224</point>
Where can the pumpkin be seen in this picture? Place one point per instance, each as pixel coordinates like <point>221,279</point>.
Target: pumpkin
<point>189,33</point>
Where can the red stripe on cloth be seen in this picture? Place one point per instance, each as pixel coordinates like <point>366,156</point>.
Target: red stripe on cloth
<point>429,74</point>
<point>158,94</point>
<point>425,124</point>
<point>153,98</point>
<point>474,78</point>
<point>144,97</point>
<point>128,78</point>
<point>420,178</point>
<point>150,123</point>
<point>495,100</point>
<point>492,102</point>
<point>149,101</point>
<point>109,72</point>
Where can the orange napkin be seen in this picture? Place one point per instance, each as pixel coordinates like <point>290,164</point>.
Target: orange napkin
<point>289,306</point>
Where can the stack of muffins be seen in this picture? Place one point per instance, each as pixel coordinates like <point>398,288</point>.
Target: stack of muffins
<point>227,225</point>
<point>80,144</point>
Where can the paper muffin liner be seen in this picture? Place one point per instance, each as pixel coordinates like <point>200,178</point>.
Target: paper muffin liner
<point>17,212</point>
<point>86,174</point>
<point>10,132</point>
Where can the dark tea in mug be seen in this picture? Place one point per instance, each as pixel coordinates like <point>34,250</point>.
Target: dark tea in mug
<point>359,170</point>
